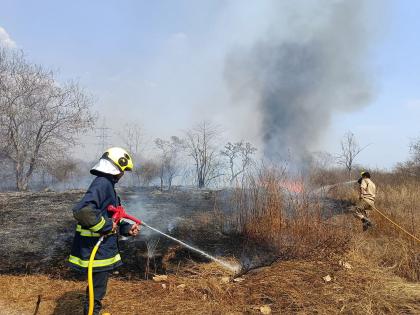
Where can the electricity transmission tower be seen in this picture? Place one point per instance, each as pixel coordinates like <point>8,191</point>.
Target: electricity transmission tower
<point>103,137</point>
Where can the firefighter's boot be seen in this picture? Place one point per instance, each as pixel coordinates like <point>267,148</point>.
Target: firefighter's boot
<point>366,224</point>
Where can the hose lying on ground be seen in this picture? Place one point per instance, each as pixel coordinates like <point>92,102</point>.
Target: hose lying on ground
<point>397,225</point>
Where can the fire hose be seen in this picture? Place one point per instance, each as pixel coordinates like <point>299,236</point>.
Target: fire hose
<point>90,274</point>
<point>397,225</point>
<point>118,213</point>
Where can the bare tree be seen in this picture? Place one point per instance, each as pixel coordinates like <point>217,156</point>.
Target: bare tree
<point>39,118</point>
<point>63,170</point>
<point>323,168</point>
<point>350,149</point>
<point>201,146</point>
<point>169,159</point>
<point>133,138</point>
<point>148,171</point>
<point>7,173</point>
<point>415,151</point>
<point>411,167</point>
<point>239,157</point>
<point>134,141</point>
<point>323,160</point>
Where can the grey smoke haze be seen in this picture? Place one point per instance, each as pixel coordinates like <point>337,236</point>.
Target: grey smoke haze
<point>298,77</point>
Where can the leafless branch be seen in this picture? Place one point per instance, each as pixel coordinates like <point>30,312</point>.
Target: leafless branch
<point>38,116</point>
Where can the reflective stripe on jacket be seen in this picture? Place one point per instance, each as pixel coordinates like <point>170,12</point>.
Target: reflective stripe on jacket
<point>94,204</point>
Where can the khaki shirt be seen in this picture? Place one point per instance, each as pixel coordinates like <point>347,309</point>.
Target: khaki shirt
<point>367,189</point>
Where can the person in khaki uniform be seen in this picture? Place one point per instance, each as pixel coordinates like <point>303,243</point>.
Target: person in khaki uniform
<point>367,194</point>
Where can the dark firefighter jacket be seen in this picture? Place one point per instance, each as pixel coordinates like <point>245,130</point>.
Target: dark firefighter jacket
<point>93,221</point>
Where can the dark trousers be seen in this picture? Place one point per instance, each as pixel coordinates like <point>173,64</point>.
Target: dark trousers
<point>100,281</point>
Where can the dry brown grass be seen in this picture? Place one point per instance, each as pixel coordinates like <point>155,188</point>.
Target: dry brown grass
<point>293,224</point>
<point>385,245</point>
<point>291,287</point>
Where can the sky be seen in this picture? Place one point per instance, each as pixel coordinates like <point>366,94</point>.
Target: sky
<point>162,64</point>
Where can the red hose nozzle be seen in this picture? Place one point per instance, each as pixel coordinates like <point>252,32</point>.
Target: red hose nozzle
<point>119,213</point>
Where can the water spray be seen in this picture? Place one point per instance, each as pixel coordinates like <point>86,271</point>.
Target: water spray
<point>226,265</point>
<point>326,188</point>
<point>119,213</point>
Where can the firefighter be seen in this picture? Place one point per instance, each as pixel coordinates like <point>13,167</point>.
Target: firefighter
<point>93,221</point>
<point>367,194</point>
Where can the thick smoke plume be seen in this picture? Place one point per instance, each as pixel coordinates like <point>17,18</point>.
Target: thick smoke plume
<point>299,76</point>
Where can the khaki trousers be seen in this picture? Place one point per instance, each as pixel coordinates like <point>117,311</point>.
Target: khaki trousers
<point>362,208</point>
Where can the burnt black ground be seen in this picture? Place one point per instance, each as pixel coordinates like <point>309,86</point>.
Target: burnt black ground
<point>37,229</point>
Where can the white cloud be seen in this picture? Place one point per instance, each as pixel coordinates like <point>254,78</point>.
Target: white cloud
<point>178,37</point>
<point>178,42</point>
<point>413,104</point>
<point>5,39</point>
